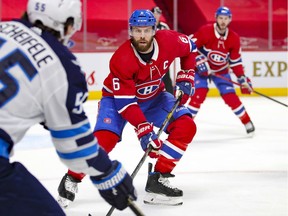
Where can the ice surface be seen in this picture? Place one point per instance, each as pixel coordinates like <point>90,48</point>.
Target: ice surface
<point>222,173</point>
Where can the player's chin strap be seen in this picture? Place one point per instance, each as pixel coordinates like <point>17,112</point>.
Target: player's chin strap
<point>131,204</point>
<point>256,92</point>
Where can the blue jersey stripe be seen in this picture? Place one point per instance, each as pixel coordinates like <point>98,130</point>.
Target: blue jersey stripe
<point>84,140</point>
<point>79,154</point>
<point>4,149</point>
<point>193,46</point>
<point>70,132</point>
<point>2,41</point>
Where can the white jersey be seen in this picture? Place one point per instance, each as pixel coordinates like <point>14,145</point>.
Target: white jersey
<point>41,81</point>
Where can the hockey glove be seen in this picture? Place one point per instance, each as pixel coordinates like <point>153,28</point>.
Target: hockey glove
<point>185,83</point>
<point>147,138</point>
<point>115,186</point>
<point>246,85</point>
<point>202,65</point>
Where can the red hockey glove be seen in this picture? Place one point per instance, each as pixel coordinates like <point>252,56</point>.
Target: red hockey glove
<point>147,137</point>
<point>202,65</point>
<point>246,85</point>
<point>185,83</point>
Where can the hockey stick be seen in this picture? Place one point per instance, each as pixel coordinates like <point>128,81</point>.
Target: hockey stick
<point>231,81</point>
<point>148,150</point>
<point>134,208</point>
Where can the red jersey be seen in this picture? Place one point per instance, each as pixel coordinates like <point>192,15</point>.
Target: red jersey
<point>132,81</point>
<point>221,51</point>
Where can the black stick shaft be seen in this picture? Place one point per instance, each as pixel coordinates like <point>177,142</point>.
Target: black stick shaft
<point>139,165</point>
<point>270,98</point>
<point>135,208</point>
<point>256,92</point>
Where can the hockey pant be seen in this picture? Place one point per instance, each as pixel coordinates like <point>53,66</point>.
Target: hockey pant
<point>22,194</point>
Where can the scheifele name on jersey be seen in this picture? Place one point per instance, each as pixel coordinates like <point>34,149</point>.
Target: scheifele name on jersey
<point>27,40</point>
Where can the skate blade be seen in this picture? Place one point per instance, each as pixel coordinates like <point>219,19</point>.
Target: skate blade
<point>63,202</point>
<point>159,199</point>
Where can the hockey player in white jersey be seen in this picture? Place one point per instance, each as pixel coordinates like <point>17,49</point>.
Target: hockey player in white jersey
<point>41,81</point>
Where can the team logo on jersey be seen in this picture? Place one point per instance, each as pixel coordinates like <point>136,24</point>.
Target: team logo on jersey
<point>217,58</point>
<point>107,120</point>
<point>148,89</point>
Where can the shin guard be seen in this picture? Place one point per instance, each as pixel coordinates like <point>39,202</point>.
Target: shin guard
<point>233,101</point>
<point>196,100</point>
<point>181,133</point>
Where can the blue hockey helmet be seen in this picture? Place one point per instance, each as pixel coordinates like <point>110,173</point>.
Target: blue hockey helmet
<point>142,18</point>
<point>224,11</point>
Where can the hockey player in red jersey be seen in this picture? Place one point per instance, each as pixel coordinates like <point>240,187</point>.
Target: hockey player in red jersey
<point>134,92</point>
<point>219,50</point>
<point>157,12</point>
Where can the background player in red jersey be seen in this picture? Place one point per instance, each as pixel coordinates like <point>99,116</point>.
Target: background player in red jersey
<point>219,50</point>
<point>134,92</point>
<point>157,12</point>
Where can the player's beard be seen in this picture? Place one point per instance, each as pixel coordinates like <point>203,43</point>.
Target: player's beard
<point>222,27</point>
<point>140,47</point>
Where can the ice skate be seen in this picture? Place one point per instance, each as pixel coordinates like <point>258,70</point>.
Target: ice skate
<point>159,191</point>
<point>67,189</point>
<point>250,128</point>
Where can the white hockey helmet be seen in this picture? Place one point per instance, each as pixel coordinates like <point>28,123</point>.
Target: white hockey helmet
<point>54,14</point>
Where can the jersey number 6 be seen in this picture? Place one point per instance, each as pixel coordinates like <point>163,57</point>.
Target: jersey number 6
<point>116,84</point>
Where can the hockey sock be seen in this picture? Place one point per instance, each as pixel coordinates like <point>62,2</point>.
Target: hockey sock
<point>181,133</point>
<point>77,176</point>
<point>233,101</point>
<point>196,100</point>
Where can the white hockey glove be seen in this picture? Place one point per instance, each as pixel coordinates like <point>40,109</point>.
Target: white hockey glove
<point>202,65</point>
